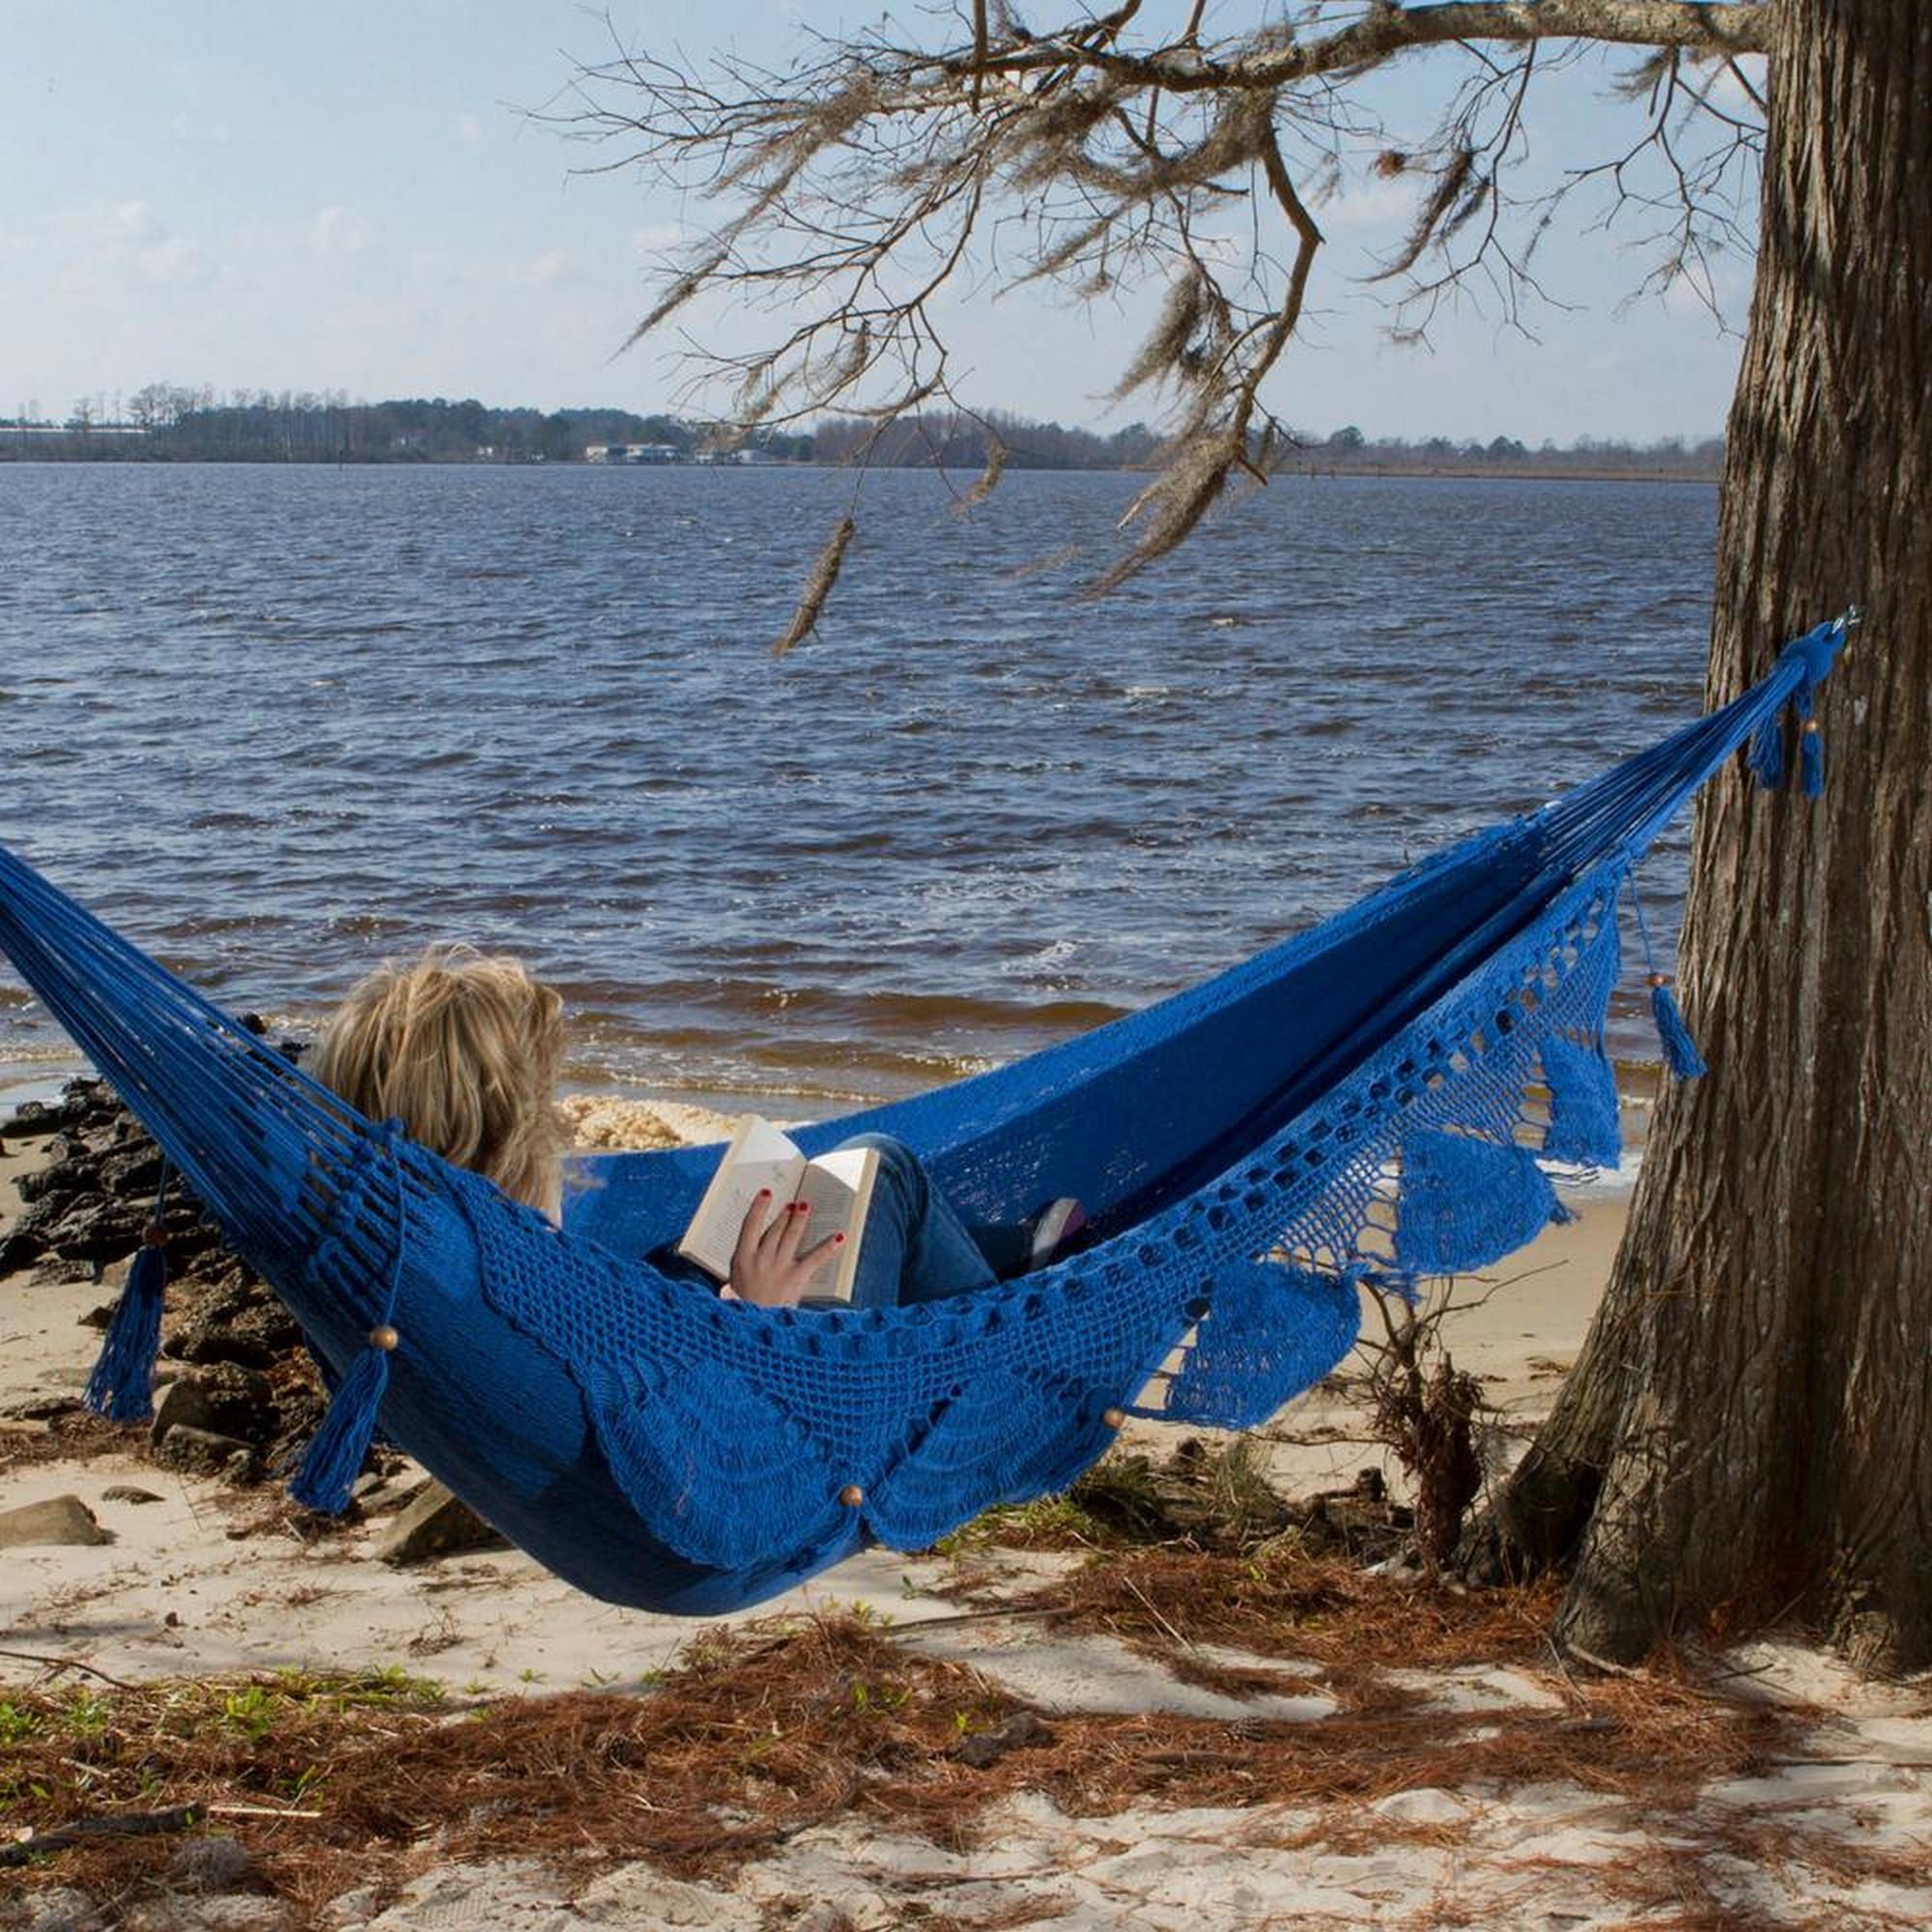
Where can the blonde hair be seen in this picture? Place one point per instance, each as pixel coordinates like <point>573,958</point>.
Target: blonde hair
<point>464,1049</point>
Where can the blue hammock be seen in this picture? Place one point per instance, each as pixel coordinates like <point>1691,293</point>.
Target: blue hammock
<point>1368,1101</point>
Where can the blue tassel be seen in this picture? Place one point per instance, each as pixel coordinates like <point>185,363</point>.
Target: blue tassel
<point>1811,761</point>
<point>122,1387</point>
<point>1680,1050</point>
<point>335,1453</point>
<point>1766,757</point>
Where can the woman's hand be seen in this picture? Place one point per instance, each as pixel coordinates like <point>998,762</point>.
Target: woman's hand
<point>772,1265</point>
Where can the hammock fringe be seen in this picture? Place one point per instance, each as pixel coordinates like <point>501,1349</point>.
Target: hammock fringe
<point>122,1387</point>
<point>336,1452</point>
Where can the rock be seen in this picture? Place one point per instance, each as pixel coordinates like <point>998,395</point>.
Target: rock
<point>222,1399</point>
<point>96,1229</point>
<point>18,1251</point>
<point>381,1492</point>
<point>201,1452</point>
<point>61,1519</point>
<point>218,1912</point>
<point>985,1747</point>
<point>134,1171</point>
<point>60,1909</point>
<point>437,1524</point>
<point>45,1407</point>
<point>216,1863</point>
<point>240,1322</point>
<point>127,1493</point>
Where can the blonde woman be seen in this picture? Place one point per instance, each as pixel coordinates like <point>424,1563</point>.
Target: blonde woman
<point>465,1050</point>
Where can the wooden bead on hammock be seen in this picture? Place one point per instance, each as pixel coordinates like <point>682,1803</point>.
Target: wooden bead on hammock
<point>385,1338</point>
<point>851,1495</point>
<point>1114,1418</point>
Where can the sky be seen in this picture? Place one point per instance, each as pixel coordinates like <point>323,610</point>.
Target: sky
<point>354,196</point>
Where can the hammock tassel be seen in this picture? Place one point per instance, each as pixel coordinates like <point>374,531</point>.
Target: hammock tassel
<point>336,1452</point>
<point>122,1387</point>
<point>1766,757</point>
<point>1680,1050</point>
<point>1810,759</point>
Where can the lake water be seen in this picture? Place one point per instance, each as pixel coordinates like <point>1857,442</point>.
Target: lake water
<point>279,724</point>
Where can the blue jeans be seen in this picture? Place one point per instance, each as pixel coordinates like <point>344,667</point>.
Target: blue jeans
<point>915,1247</point>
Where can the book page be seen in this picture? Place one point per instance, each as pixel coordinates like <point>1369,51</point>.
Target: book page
<point>838,1187</point>
<point>759,1157</point>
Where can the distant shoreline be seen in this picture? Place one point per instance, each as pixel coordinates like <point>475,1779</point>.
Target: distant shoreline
<point>1462,473</point>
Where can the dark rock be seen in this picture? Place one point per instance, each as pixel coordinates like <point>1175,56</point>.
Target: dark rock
<point>240,1322</point>
<point>93,1201</point>
<point>133,1170</point>
<point>50,1273</point>
<point>32,1119</point>
<point>127,1493</point>
<point>45,1407</point>
<point>225,1398</point>
<point>214,1864</point>
<point>60,1520</point>
<point>96,1229</point>
<point>201,1452</point>
<point>985,1747</point>
<point>437,1524</point>
<point>18,1251</point>
<point>302,1405</point>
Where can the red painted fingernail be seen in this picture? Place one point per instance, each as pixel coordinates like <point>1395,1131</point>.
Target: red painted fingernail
<point>764,1194</point>
<point>837,1239</point>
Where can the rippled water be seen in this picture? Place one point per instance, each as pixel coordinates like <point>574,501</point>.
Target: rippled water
<point>280,722</point>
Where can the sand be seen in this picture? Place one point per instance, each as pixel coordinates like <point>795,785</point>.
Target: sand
<point>186,1587</point>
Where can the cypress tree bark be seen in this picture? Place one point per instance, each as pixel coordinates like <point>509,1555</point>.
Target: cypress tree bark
<point>1748,1428</point>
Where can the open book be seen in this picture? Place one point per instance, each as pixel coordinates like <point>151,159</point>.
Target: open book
<point>837,1187</point>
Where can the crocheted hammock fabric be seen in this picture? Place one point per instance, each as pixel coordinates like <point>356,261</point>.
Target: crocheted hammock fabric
<point>1371,1100</point>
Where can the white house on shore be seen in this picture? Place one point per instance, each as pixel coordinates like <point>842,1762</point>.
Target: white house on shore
<point>633,452</point>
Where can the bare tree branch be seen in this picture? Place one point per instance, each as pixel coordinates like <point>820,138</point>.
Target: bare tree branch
<point>1717,27</point>
<point>1107,154</point>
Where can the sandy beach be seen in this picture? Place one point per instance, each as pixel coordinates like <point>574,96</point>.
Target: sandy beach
<point>1816,1808</point>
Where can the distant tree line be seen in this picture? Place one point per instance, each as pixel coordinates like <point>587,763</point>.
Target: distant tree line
<point>165,423</point>
<point>958,441</point>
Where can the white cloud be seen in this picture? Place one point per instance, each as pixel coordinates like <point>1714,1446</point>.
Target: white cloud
<point>175,262</point>
<point>338,231</point>
<point>183,127</point>
<point>552,265</point>
<point>137,218</point>
<point>655,237</point>
<point>1367,204</point>
<point>470,130</point>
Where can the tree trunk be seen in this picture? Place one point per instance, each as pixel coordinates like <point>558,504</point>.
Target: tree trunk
<point>1749,1425</point>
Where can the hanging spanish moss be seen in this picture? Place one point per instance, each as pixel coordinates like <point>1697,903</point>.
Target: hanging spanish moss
<point>818,587</point>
